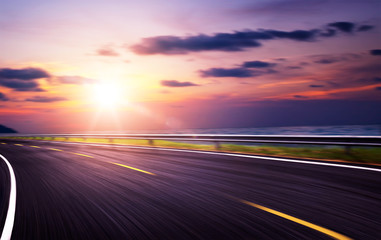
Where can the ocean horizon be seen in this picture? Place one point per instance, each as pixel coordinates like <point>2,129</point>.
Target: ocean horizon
<point>353,130</point>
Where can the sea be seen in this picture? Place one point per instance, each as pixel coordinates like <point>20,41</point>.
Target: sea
<point>351,130</point>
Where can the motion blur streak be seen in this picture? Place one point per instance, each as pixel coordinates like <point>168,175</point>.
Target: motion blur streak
<point>8,226</point>
<point>297,220</point>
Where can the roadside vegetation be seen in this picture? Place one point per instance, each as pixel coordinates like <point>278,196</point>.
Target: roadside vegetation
<point>356,154</point>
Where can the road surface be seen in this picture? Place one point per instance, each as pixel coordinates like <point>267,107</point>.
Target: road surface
<point>79,191</point>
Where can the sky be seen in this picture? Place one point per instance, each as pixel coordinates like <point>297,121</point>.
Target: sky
<point>116,65</point>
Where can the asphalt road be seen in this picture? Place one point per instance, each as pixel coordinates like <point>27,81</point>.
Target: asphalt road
<point>75,191</point>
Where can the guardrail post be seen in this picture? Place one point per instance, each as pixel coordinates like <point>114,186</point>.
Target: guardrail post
<point>150,142</point>
<point>348,149</point>
<point>217,145</point>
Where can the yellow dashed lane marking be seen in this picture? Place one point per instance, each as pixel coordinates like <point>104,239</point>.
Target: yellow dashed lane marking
<point>35,146</point>
<point>55,149</point>
<point>297,220</point>
<point>136,169</point>
<point>19,145</point>
<point>83,155</point>
<point>3,143</point>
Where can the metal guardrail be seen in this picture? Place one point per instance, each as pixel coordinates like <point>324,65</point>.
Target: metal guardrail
<point>217,139</point>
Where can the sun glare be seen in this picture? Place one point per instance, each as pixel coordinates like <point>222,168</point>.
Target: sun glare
<point>107,95</point>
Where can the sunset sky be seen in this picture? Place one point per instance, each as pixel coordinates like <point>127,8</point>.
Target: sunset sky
<point>112,65</point>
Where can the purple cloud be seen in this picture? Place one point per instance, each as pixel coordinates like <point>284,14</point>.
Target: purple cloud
<point>3,97</point>
<point>42,99</point>
<point>231,42</point>
<point>175,83</point>
<point>257,64</point>
<point>343,26</point>
<point>23,74</point>
<point>228,72</point>
<point>22,79</point>
<point>375,52</point>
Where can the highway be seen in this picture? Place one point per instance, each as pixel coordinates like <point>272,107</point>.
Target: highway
<point>94,191</point>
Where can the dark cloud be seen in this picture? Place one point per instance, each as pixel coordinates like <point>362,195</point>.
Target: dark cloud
<point>328,33</point>
<point>257,64</point>
<point>75,80</point>
<point>300,96</point>
<point>22,79</point>
<point>175,83</point>
<point>175,45</point>
<point>21,85</point>
<point>364,28</point>
<point>3,97</point>
<point>375,52</point>
<point>378,88</point>
<point>228,72</point>
<point>298,35</point>
<point>23,74</point>
<point>231,42</point>
<point>377,79</point>
<point>316,86</point>
<point>294,67</point>
<point>42,99</point>
<point>107,51</point>
<point>327,60</point>
<point>343,26</point>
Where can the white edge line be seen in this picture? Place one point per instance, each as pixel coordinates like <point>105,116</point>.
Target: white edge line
<point>8,226</point>
<point>226,154</point>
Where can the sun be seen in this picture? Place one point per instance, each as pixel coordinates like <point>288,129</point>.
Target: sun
<point>107,95</point>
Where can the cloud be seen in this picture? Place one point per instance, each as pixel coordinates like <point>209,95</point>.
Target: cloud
<point>298,35</point>
<point>175,83</point>
<point>232,42</point>
<point>328,33</point>
<point>257,64</point>
<point>23,74</point>
<point>375,52</point>
<point>3,97</point>
<point>378,88</point>
<point>316,86</point>
<point>21,85</point>
<point>75,80</point>
<point>42,99</point>
<point>241,72</point>
<point>300,96</point>
<point>343,26</point>
<point>168,45</point>
<point>294,67</point>
<point>364,28</point>
<point>107,51</point>
<point>327,60</point>
<point>228,72</point>
<point>22,79</point>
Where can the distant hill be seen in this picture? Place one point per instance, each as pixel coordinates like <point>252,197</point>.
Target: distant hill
<point>4,129</point>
